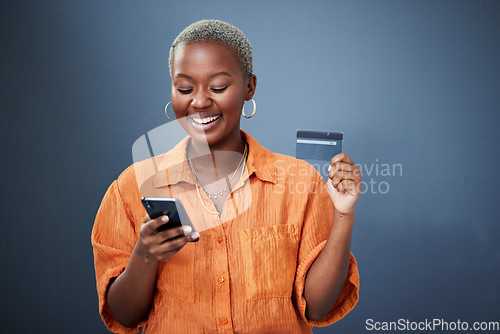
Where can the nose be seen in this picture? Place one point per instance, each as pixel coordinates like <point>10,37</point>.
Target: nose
<point>201,100</point>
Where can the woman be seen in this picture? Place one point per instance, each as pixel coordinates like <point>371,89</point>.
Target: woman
<point>281,264</point>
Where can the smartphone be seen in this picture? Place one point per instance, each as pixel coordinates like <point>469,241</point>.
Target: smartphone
<point>318,148</point>
<point>156,206</point>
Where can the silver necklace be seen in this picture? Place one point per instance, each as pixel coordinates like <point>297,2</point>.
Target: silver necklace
<point>228,183</point>
<point>198,184</point>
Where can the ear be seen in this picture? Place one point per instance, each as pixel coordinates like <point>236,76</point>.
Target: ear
<point>251,85</point>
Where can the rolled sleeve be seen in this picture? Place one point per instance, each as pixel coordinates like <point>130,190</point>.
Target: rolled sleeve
<point>113,239</point>
<point>318,220</point>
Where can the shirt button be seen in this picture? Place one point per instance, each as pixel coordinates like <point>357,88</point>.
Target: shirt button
<point>224,321</point>
<point>220,279</point>
<point>219,239</point>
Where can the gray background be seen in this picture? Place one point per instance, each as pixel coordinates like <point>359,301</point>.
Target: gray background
<point>415,83</point>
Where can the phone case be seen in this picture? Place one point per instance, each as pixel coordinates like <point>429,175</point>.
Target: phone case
<point>173,207</point>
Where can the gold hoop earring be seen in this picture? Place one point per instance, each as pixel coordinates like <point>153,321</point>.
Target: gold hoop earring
<point>253,112</point>
<point>166,114</point>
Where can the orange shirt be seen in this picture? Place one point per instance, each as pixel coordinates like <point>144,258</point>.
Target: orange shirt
<point>246,274</point>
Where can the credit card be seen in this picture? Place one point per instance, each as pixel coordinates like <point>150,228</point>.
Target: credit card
<point>318,148</point>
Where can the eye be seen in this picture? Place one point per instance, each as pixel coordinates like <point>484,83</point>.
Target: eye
<point>184,91</point>
<point>218,90</point>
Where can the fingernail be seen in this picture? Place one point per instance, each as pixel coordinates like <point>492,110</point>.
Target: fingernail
<point>195,235</point>
<point>164,218</point>
<point>187,229</point>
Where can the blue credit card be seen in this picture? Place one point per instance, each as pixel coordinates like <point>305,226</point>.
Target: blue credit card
<point>318,148</point>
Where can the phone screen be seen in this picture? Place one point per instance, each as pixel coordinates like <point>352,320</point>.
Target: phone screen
<point>318,148</point>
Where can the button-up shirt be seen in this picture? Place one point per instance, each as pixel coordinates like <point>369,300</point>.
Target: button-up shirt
<point>246,274</point>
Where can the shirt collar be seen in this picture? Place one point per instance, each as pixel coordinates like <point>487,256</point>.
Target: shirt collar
<point>174,167</point>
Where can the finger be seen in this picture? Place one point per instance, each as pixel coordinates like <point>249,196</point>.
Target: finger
<point>173,245</point>
<point>342,166</point>
<point>337,178</point>
<point>195,237</point>
<point>341,157</point>
<point>151,227</point>
<point>350,187</point>
<point>160,222</point>
<point>341,187</point>
<point>343,175</point>
<point>146,219</point>
<point>174,232</point>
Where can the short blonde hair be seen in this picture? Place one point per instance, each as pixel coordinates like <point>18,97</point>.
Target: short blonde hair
<point>220,32</point>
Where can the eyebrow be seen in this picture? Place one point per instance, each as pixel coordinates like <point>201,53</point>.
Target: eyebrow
<point>219,73</point>
<point>181,75</point>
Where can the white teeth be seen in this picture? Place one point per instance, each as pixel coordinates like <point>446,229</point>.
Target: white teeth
<point>205,120</point>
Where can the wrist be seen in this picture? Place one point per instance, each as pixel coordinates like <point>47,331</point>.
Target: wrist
<point>343,214</point>
<point>342,227</point>
<point>142,255</point>
<point>343,218</point>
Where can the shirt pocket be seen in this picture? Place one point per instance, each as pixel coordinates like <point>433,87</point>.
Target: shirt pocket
<point>176,275</point>
<point>269,257</point>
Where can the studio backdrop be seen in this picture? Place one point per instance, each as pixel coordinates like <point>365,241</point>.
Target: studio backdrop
<point>413,85</point>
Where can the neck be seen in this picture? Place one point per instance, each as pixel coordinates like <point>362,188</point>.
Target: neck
<point>216,161</point>
<point>233,143</point>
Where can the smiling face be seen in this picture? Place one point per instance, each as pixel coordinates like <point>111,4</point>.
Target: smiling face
<point>209,88</point>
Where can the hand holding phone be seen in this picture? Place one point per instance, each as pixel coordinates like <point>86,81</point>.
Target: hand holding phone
<point>172,207</point>
<point>165,230</point>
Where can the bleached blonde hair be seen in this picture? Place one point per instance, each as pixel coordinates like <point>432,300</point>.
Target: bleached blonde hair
<point>219,32</point>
